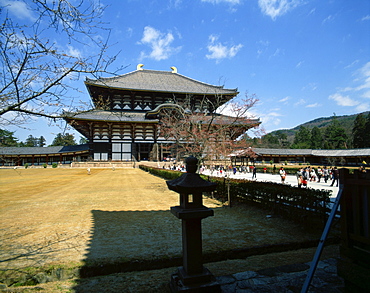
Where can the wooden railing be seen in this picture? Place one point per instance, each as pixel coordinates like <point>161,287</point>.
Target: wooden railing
<point>354,264</point>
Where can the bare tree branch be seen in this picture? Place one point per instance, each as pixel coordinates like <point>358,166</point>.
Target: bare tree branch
<point>37,74</point>
<point>208,134</point>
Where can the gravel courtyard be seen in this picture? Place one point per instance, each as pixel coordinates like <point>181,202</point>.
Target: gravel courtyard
<point>65,217</point>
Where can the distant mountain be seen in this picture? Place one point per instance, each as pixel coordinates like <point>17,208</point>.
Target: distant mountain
<point>345,121</point>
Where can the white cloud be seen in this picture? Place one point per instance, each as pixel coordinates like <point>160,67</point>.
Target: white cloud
<point>284,100</point>
<point>315,105</point>
<point>328,19</point>
<point>361,91</point>
<point>262,47</point>
<point>367,17</point>
<point>366,95</point>
<point>129,32</point>
<point>352,64</point>
<point>175,3</point>
<point>278,52</point>
<point>345,101</point>
<point>312,11</point>
<point>363,107</point>
<point>363,79</point>
<point>18,8</point>
<point>219,51</point>
<point>74,52</point>
<point>300,103</point>
<point>312,86</point>
<point>275,8</point>
<point>160,44</point>
<point>299,64</point>
<point>270,118</point>
<point>276,121</point>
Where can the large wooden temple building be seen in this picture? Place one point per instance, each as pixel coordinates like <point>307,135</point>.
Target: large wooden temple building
<point>124,124</point>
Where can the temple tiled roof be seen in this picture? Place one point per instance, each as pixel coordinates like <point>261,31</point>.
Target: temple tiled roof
<point>43,150</point>
<point>160,81</point>
<point>110,116</point>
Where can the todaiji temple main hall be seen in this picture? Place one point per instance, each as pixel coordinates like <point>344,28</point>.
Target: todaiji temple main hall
<point>124,124</point>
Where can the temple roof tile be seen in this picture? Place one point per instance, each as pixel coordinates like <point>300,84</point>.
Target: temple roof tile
<point>159,81</point>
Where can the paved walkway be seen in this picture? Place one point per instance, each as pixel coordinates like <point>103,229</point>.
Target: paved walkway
<point>290,179</point>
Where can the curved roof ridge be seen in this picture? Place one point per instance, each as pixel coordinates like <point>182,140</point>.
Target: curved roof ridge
<point>148,79</point>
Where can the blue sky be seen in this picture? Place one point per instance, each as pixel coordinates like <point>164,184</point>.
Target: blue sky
<point>304,59</point>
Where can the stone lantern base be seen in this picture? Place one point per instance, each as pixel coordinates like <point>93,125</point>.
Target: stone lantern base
<point>204,282</point>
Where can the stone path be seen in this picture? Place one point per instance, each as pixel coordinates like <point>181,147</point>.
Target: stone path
<point>288,278</point>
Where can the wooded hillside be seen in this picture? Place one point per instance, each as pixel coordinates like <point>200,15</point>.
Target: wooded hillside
<point>286,138</point>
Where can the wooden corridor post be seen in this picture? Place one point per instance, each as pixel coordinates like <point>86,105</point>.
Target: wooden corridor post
<point>192,276</point>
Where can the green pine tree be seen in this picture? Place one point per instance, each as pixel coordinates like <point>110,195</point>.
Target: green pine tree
<point>359,132</point>
<point>31,141</point>
<point>302,139</point>
<point>316,138</point>
<point>335,135</point>
<point>83,140</point>
<point>367,132</point>
<point>42,141</point>
<point>64,140</point>
<point>7,138</point>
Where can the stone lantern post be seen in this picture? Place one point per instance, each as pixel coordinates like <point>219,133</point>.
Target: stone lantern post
<point>192,276</point>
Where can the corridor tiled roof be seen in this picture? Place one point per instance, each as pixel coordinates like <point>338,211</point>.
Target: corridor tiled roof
<point>43,150</point>
<point>160,81</point>
<point>321,153</point>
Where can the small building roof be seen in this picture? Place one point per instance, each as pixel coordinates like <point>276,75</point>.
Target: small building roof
<point>14,151</point>
<point>159,81</point>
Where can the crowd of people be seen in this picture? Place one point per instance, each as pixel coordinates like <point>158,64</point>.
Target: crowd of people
<point>317,175</point>
<point>304,175</point>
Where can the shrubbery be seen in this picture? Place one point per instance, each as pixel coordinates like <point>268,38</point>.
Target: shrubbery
<point>298,204</point>
<point>163,173</point>
<point>54,165</point>
<point>306,206</point>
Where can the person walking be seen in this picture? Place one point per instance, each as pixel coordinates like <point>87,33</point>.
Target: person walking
<point>319,174</point>
<point>325,173</point>
<point>282,175</point>
<point>335,176</point>
<point>254,173</point>
<point>313,175</point>
<point>300,181</point>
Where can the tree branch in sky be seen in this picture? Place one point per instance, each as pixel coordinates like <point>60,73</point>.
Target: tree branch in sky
<point>40,62</point>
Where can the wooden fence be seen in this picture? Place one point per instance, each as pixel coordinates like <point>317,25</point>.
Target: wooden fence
<point>354,263</point>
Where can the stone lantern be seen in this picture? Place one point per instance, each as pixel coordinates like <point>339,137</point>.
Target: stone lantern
<point>192,276</point>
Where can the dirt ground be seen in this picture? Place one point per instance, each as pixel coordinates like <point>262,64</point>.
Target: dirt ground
<point>65,217</point>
